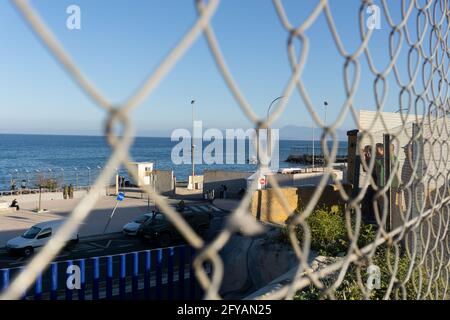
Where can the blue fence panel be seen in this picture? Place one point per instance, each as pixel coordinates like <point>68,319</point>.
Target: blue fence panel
<point>24,293</point>
<point>181,259</point>
<point>109,277</point>
<point>163,272</point>
<point>54,281</point>
<point>38,288</point>
<point>69,276</point>
<point>96,278</point>
<point>192,274</point>
<point>170,274</point>
<point>5,279</point>
<point>148,266</point>
<point>123,275</point>
<point>159,260</point>
<point>135,281</point>
<point>82,291</point>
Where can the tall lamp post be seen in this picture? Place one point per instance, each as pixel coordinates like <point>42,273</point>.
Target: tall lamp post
<point>269,145</point>
<point>192,144</point>
<point>76,178</point>
<point>89,178</point>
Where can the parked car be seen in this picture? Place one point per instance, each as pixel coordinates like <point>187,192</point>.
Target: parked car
<point>160,230</point>
<point>36,237</point>
<point>131,228</point>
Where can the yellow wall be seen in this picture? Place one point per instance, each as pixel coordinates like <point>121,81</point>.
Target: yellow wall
<point>266,206</point>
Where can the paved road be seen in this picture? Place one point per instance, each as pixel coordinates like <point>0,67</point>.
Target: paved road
<point>116,243</point>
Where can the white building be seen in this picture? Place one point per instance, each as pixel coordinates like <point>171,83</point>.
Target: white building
<point>144,171</point>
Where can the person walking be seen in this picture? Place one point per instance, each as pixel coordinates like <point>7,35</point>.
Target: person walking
<point>70,191</point>
<point>369,197</point>
<point>65,192</point>
<point>397,199</point>
<point>378,202</point>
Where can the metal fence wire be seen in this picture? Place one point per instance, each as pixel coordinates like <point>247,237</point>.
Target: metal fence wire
<point>422,229</point>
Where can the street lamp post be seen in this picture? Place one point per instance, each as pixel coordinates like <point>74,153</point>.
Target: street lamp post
<point>313,147</point>
<point>269,145</point>
<point>76,178</point>
<point>192,144</point>
<point>89,178</point>
<point>325,104</point>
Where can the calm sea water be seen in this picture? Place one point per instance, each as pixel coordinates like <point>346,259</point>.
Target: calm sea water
<point>22,157</point>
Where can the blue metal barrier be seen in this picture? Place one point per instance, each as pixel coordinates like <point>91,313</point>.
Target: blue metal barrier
<point>54,280</point>
<point>181,259</point>
<point>5,278</point>
<point>170,273</point>
<point>123,274</point>
<point>96,278</point>
<point>135,280</point>
<point>38,288</point>
<point>192,275</point>
<point>109,277</point>
<point>159,260</point>
<point>148,265</point>
<point>82,291</point>
<point>152,274</point>
<point>69,291</point>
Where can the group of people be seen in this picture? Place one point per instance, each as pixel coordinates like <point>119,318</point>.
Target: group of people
<point>68,192</point>
<point>13,186</point>
<point>372,201</point>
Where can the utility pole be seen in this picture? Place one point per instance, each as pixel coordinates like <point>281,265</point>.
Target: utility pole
<point>269,137</point>
<point>313,146</point>
<point>192,144</point>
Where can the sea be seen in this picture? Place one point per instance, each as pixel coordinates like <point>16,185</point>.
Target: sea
<point>79,159</point>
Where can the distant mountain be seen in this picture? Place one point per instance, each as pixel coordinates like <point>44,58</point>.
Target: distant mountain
<point>293,132</point>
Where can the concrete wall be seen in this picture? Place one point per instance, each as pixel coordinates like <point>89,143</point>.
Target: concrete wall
<point>234,180</point>
<point>265,206</point>
<point>164,181</point>
<point>305,179</point>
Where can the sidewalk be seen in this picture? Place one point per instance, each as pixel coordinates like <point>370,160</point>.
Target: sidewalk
<point>15,223</point>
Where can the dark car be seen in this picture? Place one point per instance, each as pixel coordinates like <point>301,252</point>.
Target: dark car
<point>160,230</point>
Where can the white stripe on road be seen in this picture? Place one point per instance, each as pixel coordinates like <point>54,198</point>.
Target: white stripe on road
<point>215,208</point>
<point>195,208</point>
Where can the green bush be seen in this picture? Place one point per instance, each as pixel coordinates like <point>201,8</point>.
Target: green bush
<point>329,237</point>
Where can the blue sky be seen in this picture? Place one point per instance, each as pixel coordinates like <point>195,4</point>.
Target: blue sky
<point>121,42</point>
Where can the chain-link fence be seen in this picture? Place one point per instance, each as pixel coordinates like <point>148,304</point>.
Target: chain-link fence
<point>414,251</point>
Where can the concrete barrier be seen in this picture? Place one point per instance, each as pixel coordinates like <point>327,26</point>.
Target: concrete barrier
<point>266,206</point>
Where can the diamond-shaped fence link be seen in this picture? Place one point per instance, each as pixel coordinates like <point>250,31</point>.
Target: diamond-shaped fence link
<point>411,205</point>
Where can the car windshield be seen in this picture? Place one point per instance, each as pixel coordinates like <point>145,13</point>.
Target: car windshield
<point>141,219</point>
<point>160,217</point>
<point>31,233</point>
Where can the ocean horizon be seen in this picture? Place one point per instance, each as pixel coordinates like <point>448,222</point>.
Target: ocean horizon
<point>81,157</point>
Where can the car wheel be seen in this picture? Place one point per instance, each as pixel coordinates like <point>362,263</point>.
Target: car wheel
<point>28,251</point>
<point>164,240</point>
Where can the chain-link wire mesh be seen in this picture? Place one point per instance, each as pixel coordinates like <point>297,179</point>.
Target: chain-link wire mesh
<point>415,249</point>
